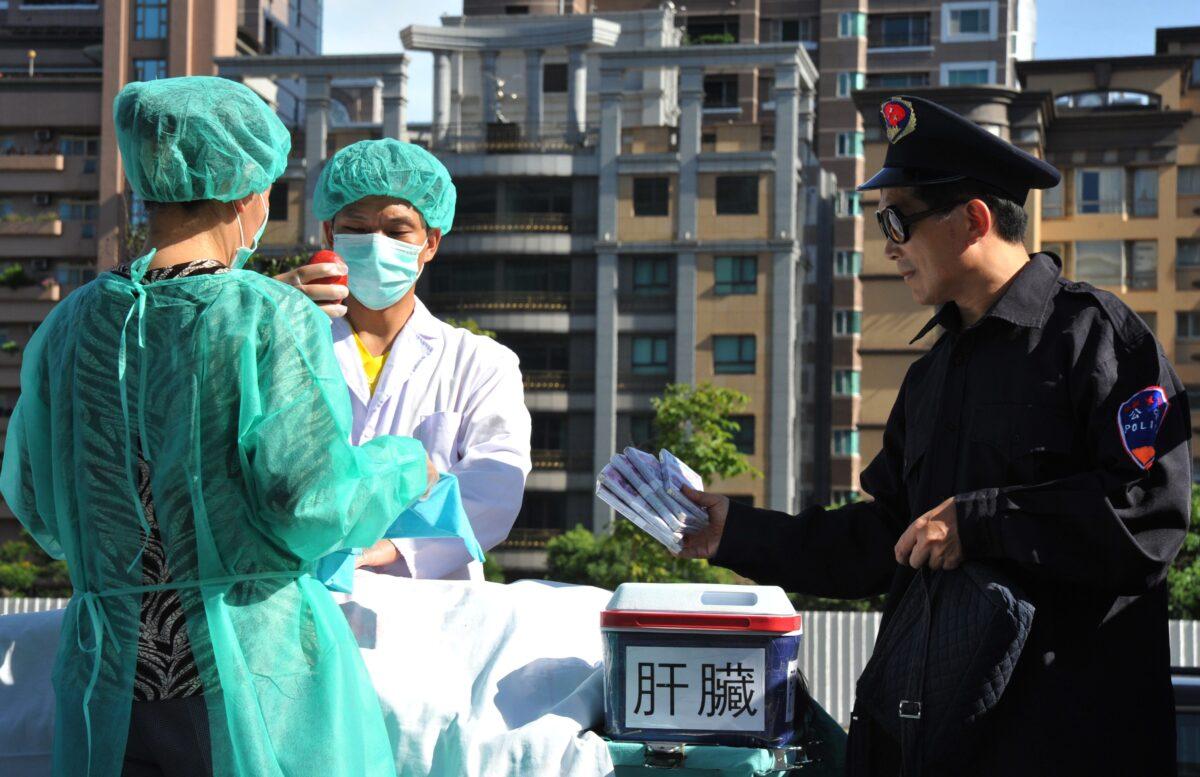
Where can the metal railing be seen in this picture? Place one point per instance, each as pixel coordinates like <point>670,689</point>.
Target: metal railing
<point>554,460</point>
<point>558,380</point>
<point>522,222</point>
<point>529,539</point>
<point>502,301</point>
<point>653,384</point>
<point>514,138</point>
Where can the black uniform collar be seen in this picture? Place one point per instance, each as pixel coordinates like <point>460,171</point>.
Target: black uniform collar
<point>1026,302</point>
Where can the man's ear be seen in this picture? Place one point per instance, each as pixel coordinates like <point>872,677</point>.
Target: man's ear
<point>433,239</point>
<point>979,220</point>
<point>241,205</point>
<point>327,232</point>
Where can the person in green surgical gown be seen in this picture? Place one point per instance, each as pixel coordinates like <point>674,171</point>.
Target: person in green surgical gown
<point>182,441</point>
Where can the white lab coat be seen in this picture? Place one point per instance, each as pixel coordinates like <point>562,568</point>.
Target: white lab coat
<point>461,395</point>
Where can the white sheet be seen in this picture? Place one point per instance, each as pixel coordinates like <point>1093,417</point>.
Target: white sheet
<point>475,678</point>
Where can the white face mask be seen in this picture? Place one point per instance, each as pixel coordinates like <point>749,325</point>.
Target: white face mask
<point>243,254</point>
<point>380,270</point>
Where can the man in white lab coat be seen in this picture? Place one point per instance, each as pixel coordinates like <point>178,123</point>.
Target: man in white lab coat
<point>385,207</point>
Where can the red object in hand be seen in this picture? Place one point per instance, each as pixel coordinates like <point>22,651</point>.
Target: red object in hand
<point>325,256</point>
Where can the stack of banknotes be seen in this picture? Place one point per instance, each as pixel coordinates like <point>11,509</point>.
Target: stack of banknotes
<point>648,491</point>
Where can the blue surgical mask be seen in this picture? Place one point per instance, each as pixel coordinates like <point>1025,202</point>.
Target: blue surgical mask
<point>243,254</point>
<point>380,270</point>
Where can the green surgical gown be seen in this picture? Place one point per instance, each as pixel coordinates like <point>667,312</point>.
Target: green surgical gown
<point>229,386</point>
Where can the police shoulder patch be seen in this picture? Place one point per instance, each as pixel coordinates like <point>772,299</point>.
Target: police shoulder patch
<point>1138,420</point>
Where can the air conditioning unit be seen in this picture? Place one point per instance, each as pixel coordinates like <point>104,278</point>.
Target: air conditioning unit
<point>41,199</point>
<point>41,265</point>
<point>42,135</point>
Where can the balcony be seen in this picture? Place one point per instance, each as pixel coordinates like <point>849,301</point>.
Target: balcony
<point>32,163</point>
<point>539,223</point>
<point>31,226</point>
<point>510,138</point>
<point>649,140</point>
<point>558,380</point>
<point>642,384</point>
<point>529,539</point>
<point>511,301</point>
<point>561,461</point>
<point>646,303</point>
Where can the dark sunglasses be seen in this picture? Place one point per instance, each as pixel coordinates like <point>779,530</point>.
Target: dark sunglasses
<point>895,225</point>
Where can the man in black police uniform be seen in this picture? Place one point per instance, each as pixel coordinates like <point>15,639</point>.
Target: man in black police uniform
<point>1044,432</point>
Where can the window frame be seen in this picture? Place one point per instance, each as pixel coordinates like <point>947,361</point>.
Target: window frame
<point>647,198</point>
<point>728,179</point>
<point>655,366</point>
<point>656,286</point>
<point>742,365</point>
<point>738,282</point>
<point>948,9</point>
<point>947,68</point>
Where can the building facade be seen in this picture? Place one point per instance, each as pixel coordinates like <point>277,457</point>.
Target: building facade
<point>1125,133</point>
<point>63,204</point>
<point>619,237</point>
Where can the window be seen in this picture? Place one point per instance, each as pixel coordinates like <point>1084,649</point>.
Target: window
<point>149,69</point>
<point>852,24</point>
<point>712,29</point>
<point>79,145</point>
<point>847,383</point>
<point>547,431</point>
<point>850,144</point>
<point>736,275</point>
<point>651,355</point>
<point>845,442</point>
<point>847,322</point>
<point>1106,99</point>
<point>1099,262</point>
<point>896,80</point>
<point>849,82</point>
<point>1145,192</point>
<point>1142,269</point>
<point>1189,180</point>
<point>721,92</point>
<point>1187,254</point>
<point>554,78</point>
<point>1187,325</point>
<point>1196,73</point>
<point>641,429</point>
<point>849,203</point>
<point>277,202</point>
<point>737,195</point>
<point>888,31</point>
<point>516,10</point>
<point>651,196</point>
<point>651,275</point>
<point>969,21</point>
<point>532,274</point>
<point>1052,202</point>
<point>1099,190</point>
<point>150,20</point>
<point>72,277</point>
<point>847,264</point>
<point>968,73</point>
<point>797,30</point>
<point>743,438</point>
<point>733,354</point>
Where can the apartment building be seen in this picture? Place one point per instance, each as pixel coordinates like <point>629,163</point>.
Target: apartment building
<point>1125,132</point>
<point>63,204</point>
<point>619,238</point>
<point>855,44</point>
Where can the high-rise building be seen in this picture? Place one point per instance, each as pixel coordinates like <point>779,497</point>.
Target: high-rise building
<point>1125,133</point>
<point>620,232</point>
<point>64,207</point>
<point>855,44</point>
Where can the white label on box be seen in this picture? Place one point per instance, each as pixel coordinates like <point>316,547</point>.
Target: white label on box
<point>713,689</point>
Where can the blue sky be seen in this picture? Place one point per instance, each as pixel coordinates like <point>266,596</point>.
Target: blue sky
<point>1066,28</point>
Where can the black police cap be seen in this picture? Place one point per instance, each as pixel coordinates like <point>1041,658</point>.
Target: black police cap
<point>928,143</point>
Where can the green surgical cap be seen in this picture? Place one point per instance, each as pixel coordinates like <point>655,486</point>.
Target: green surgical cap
<point>198,138</point>
<point>387,168</point>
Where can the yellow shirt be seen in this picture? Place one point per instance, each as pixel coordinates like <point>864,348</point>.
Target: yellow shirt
<point>372,365</point>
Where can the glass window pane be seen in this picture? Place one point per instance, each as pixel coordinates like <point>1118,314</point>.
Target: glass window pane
<point>1145,191</point>
<point>1143,265</point>
<point>737,194</point>
<point>1187,253</point>
<point>1189,180</point>
<point>651,197</point>
<point>1052,202</point>
<point>1099,262</point>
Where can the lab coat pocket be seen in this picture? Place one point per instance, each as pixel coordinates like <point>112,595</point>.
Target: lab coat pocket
<point>438,432</point>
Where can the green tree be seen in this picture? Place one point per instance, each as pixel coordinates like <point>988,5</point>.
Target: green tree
<point>471,325</point>
<point>25,570</point>
<point>694,423</point>
<point>1183,578</point>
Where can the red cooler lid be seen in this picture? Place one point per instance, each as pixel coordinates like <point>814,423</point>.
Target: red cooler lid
<point>700,607</point>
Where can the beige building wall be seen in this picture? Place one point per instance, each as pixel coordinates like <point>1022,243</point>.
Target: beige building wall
<point>714,226</point>
<point>632,228</point>
<point>737,314</point>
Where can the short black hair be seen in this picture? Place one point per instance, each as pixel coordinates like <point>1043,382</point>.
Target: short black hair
<point>1008,215</point>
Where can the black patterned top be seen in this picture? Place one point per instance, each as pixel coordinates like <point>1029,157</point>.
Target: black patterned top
<point>166,668</point>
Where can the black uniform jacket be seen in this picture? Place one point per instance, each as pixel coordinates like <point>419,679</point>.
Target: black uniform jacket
<point>1022,418</point>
